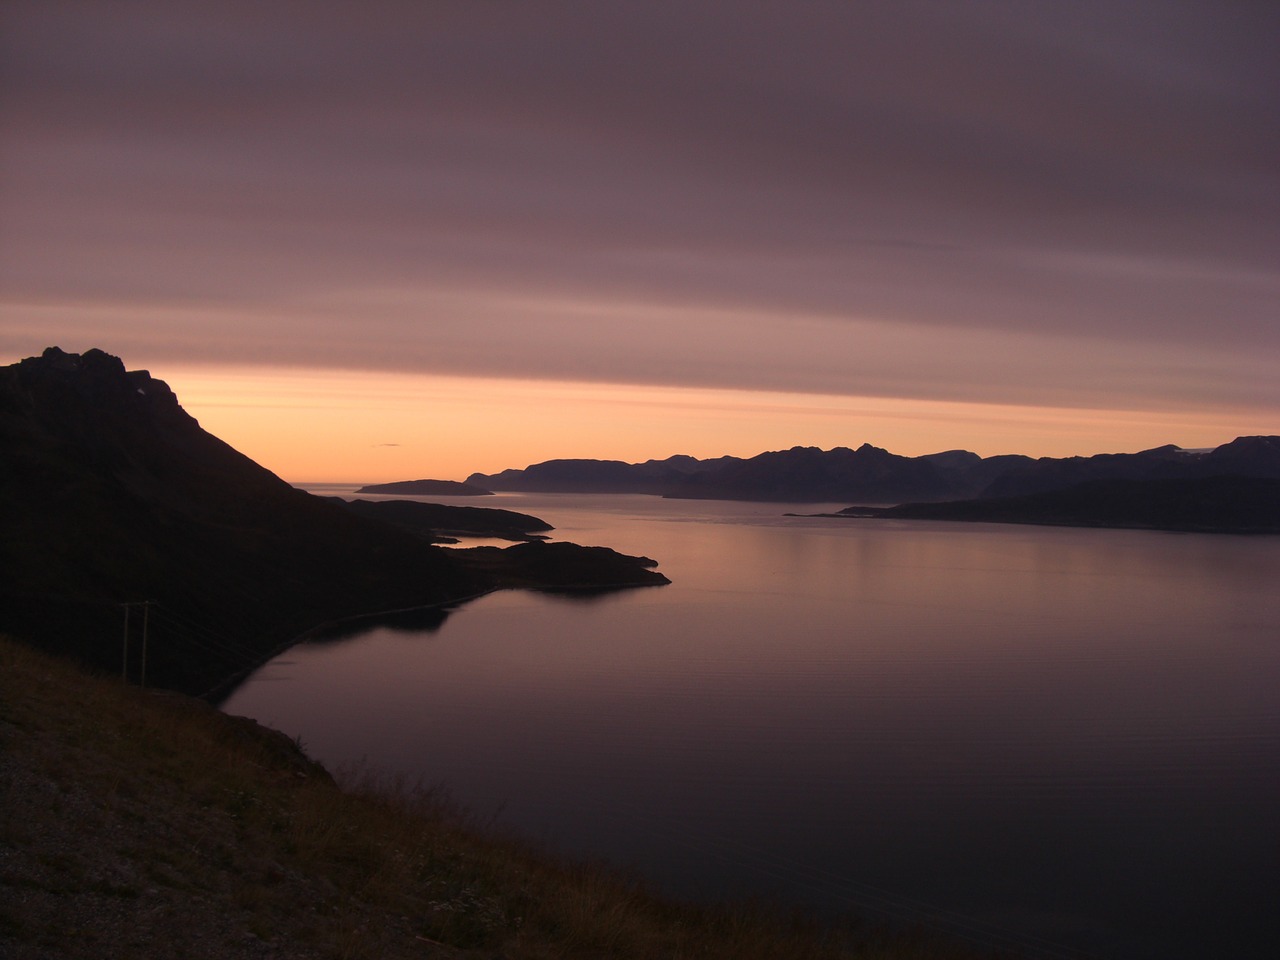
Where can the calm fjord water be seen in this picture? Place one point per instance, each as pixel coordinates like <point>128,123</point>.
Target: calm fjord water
<point>1068,738</point>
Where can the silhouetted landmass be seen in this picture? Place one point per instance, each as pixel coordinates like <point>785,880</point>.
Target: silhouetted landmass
<point>802,473</point>
<point>111,493</point>
<point>814,475</point>
<point>442,522</point>
<point>795,475</point>
<point>597,476</point>
<point>540,565</point>
<point>1223,504</point>
<point>427,488</point>
<point>1244,457</point>
<point>873,475</point>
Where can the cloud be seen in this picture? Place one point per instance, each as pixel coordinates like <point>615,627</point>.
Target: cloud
<point>906,198</point>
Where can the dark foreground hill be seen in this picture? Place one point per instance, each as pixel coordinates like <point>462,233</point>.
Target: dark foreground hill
<point>150,826</point>
<point>110,493</point>
<point>1201,505</point>
<point>871,474</point>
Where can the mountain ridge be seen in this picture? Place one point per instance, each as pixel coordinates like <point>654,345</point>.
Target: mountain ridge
<point>874,475</point>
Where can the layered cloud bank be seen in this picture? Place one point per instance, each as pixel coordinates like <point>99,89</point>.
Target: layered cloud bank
<point>1059,205</point>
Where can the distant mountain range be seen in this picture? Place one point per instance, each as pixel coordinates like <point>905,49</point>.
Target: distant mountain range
<point>658,477</point>
<point>111,494</point>
<point>871,475</point>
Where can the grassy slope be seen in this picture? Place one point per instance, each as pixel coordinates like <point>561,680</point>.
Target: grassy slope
<point>150,825</point>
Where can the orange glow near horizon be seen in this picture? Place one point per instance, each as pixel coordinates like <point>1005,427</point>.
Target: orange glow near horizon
<point>365,427</point>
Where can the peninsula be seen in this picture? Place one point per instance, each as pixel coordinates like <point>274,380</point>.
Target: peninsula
<point>444,523</point>
<point>427,488</point>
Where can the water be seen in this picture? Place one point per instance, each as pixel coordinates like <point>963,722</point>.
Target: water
<point>1065,740</point>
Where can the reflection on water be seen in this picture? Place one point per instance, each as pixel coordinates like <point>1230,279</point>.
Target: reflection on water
<point>462,543</point>
<point>1067,737</point>
<point>417,620</point>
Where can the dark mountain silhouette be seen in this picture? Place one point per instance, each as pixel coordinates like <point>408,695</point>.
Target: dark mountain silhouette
<point>427,488</point>
<point>798,474</point>
<point>1219,504</point>
<point>110,492</point>
<point>598,476</point>
<point>873,475</point>
<point>1244,456</point>
<point>810,474</point>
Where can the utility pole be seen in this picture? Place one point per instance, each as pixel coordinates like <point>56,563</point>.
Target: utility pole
<point>146,606</point>
<point>124,654</point>
<point>146,616</point>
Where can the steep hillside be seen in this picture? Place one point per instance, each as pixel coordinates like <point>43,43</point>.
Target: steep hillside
<point>111,494</point>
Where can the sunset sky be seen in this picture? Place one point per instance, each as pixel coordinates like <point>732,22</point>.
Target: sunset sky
<point>387,240</point>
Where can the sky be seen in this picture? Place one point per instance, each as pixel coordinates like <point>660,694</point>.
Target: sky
<point>389,240</point>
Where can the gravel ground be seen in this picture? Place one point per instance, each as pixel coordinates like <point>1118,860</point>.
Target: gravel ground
<point>96,862</point>
<point>79,877</point>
